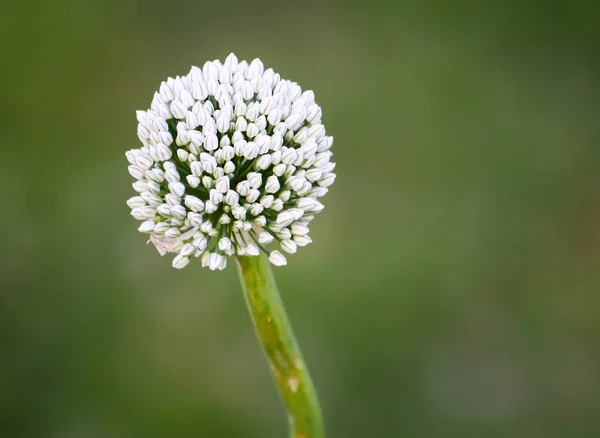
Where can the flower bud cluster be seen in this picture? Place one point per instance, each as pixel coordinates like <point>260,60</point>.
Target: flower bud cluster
<point>233,161</point>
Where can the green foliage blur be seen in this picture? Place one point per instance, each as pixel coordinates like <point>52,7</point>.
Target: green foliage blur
<point>452,289</point>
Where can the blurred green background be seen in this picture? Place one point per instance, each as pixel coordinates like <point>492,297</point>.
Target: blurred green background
<point>452,286</point>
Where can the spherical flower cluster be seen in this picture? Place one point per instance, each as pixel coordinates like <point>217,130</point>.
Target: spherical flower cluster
<point>234,158</point>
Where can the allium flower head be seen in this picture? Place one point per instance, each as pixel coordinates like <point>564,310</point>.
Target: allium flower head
<point>233,161</point>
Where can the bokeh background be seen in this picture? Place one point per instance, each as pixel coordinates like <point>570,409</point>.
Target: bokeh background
<point>452,289</point>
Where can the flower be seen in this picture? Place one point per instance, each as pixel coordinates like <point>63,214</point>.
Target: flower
<point>234,159</point>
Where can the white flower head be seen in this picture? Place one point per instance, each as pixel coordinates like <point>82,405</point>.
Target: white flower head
<point>233,161</point>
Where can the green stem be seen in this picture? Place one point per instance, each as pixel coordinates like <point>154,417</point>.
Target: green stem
<point>282,351</point>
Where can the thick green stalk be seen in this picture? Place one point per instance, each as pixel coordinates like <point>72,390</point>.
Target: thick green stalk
<point>282,351</point>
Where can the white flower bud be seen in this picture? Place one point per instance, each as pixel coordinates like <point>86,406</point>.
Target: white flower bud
<point>193,203</point>
<point>136,172</point>
<point>255,179</point>
<point>180,261</point>
<point>136,201</point>
<point>178,109</point>
<point>277,205</point>
<point>277,259</point>
<point>284,219</point>
<point>225,244</point>
<point>265,238</point>
<point>256,209</point>
<point>161,228</point>
<point>172,233</point>
<point>231,198</point>
<point>216,197</point>
<point>243,188</point>
<point>211,142</point>
<point>250,150</point>
<point>222,184</point>
<point>253,195</point>
<point>172,199</point>
<point>195,219</point>
<point>272,184</point>
<point>164,210</point>
<point>261,221</point>
<point>178,212</point>
<point>238,212</point>
<point>280,169</point>
<point>140,186</point>
<point>299,229</point>
<point>327,180</point>
<point>252,130</point>
<point>206,226</point>
<point>252,250</point>
<point>229,166</point>
<point>193,181</point>
<point>207,182</point>
<point>302,240</point>
<point>177,188</point>
<point>289,246</point>
<point>147,226</point>
<point>263,162</point>
<point>217,261</point>
<point>210,207</point>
